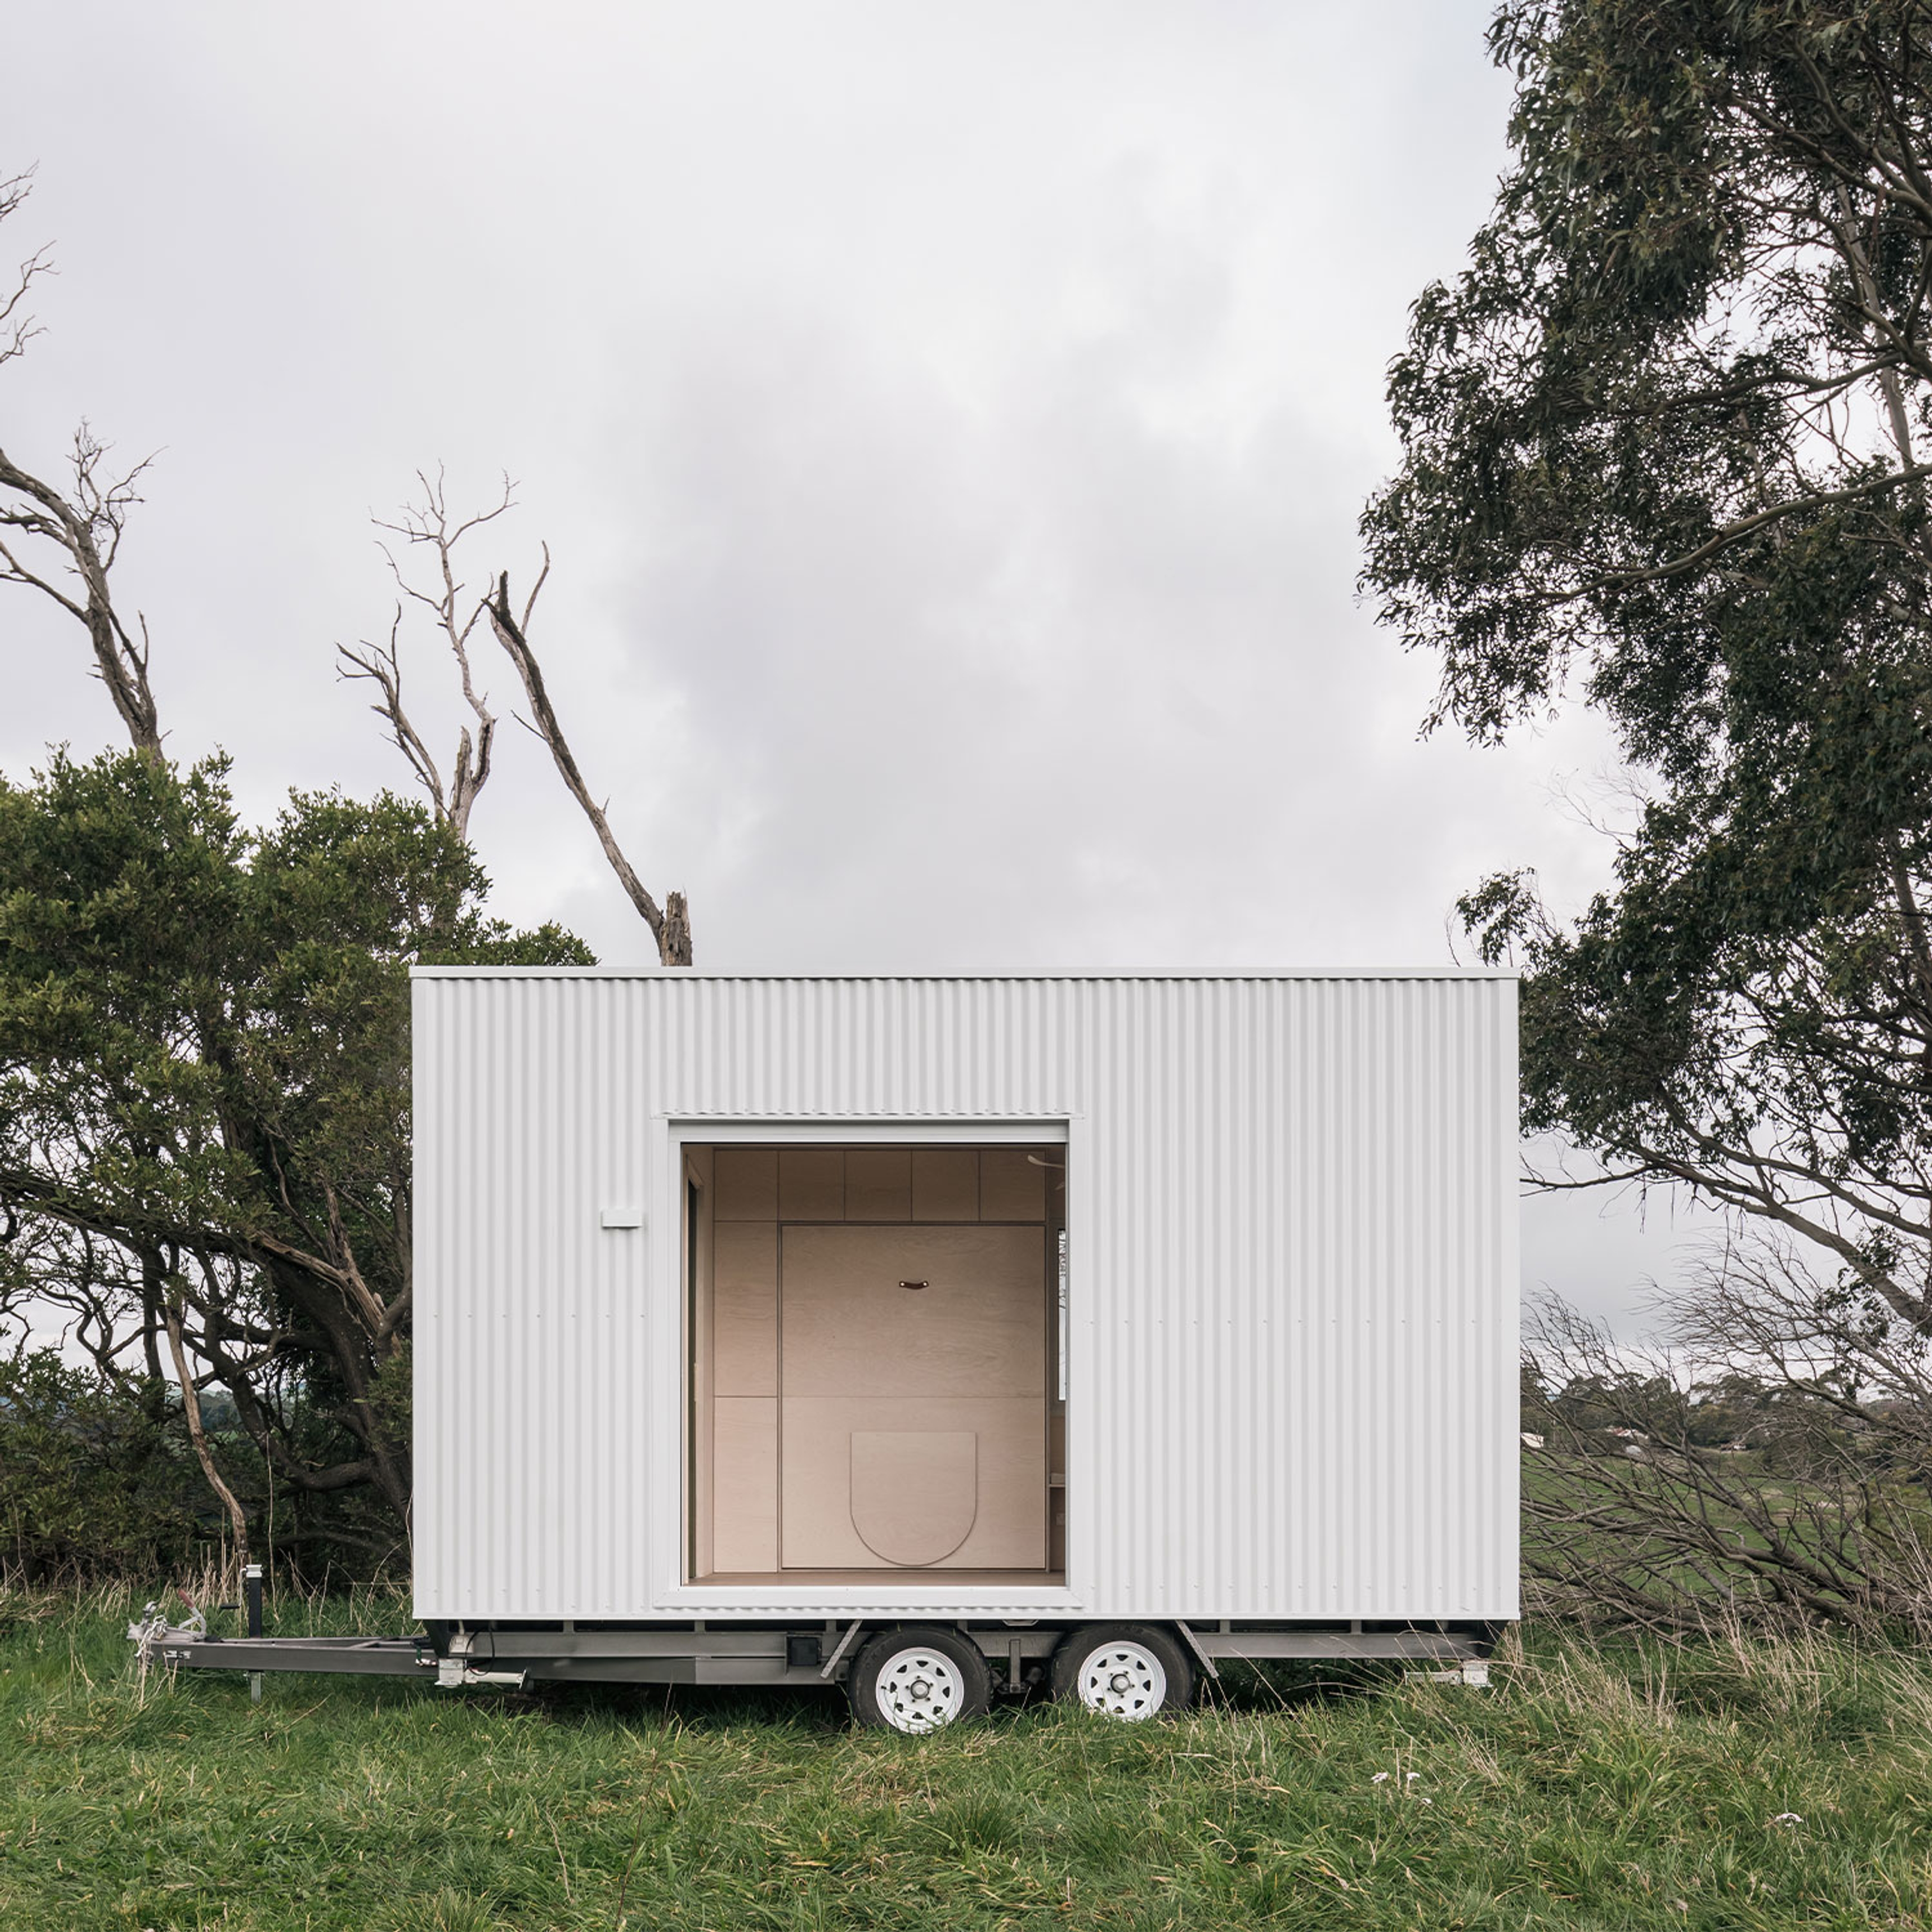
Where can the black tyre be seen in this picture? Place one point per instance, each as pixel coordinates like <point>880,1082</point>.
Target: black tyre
<point>1128,1671</point>
<point>918,1680</point>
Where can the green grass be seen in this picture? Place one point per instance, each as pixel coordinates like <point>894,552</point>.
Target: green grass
<point>1591,1787</point>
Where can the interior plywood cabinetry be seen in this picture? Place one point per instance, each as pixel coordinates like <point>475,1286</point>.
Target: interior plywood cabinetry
<point>874,1371</point>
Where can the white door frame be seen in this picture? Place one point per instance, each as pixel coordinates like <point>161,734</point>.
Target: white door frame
<point>670,1343</point>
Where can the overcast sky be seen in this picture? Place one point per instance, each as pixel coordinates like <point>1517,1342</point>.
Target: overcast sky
<point>948,423</point>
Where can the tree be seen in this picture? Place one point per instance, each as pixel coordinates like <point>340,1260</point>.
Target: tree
<point>204,1094</point>
<point>204,1126</point>
<point>91,1482</point>
<point>1664,444</point>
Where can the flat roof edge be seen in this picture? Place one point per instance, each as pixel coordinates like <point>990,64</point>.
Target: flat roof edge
<point>680,973</point>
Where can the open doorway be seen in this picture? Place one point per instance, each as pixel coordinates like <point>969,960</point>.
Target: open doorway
<point>877,1375</point>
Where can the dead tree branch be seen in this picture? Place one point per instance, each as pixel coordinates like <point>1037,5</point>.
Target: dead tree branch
<point>16,329</point>
<point>381,665</point>
<point>428,524</point>
<point>63,541</point>
<point>670,927</point>
<point>84,527</point>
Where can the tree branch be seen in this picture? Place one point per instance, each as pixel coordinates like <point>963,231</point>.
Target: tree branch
<point>428,524</point>
<point>671,927</point>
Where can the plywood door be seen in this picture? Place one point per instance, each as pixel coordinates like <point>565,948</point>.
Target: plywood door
<point>912,1419</point>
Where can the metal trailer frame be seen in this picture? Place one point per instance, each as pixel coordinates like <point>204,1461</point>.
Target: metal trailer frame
<point>806,1656</point>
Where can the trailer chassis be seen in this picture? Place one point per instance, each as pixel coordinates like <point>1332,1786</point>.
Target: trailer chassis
<point>510,1656</point>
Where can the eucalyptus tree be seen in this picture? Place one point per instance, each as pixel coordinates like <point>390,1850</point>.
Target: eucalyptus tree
<point>1665,453</point>
<point>1667,444</point>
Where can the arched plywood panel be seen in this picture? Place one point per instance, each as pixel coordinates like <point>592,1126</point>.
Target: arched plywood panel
<point>915,1491</point>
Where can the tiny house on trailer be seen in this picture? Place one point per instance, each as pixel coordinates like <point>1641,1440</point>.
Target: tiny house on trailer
<point>941,1336</point>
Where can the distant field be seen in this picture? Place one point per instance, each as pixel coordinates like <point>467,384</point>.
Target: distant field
<point>1603,1789</point>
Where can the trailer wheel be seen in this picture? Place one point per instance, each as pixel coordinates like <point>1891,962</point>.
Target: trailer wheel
<point>1128,1671</point>
<point>918,1680</point>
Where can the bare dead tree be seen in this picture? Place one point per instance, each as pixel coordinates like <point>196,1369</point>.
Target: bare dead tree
<point>671,926</point>
<point>63,541</point>
<point>427,525</point>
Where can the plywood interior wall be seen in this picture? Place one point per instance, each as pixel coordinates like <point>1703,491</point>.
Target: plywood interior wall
<point>912,1421</point>
<point>840,1421</point>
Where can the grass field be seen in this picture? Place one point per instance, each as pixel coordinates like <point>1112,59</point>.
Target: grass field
<point>1731,1786</point>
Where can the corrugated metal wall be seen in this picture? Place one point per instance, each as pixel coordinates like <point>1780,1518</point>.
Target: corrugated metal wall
<point>1292,1241</point>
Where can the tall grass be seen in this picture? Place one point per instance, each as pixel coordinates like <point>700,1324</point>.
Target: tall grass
<point>1733,1782</point>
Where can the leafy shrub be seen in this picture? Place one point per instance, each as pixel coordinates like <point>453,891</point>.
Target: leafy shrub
<point>94,1481</point>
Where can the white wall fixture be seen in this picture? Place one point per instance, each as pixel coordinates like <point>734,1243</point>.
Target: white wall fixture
<point>620,1217</point>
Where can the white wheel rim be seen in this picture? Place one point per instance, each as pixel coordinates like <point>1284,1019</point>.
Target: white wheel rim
<point>1124,1680</point>
<point>919,1689</point>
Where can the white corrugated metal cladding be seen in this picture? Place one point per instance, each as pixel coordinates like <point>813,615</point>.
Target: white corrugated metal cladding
<point>1292,1275</point>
